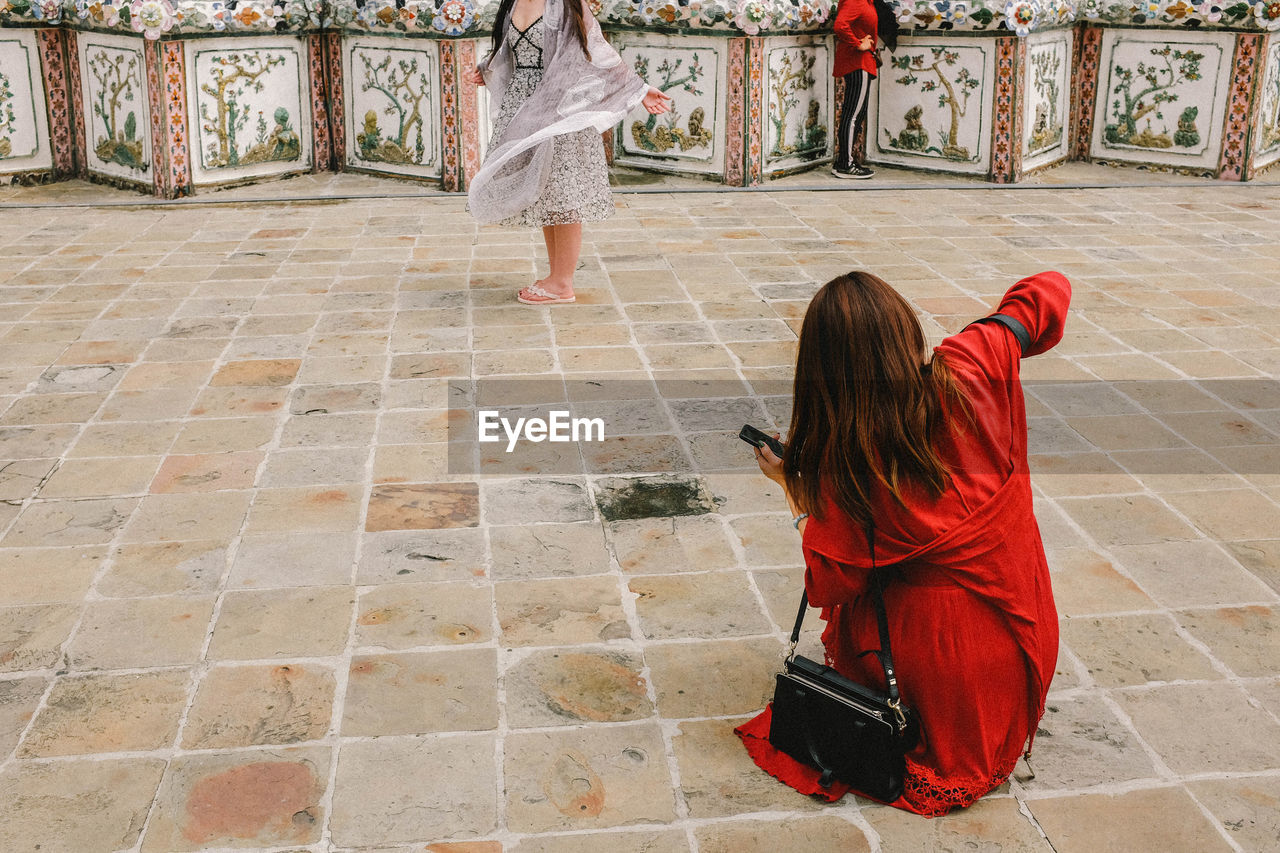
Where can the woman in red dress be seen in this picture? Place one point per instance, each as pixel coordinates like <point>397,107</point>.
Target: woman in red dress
<point>934,454</point>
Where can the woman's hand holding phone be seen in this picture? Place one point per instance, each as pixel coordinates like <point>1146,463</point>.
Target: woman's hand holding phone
<point>767,452</point>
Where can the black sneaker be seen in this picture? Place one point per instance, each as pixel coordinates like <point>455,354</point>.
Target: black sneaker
<point>857,173</point>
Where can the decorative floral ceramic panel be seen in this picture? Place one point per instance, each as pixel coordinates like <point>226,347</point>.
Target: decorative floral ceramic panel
<point>1046,87</point>
<point>118,120</point>
<point>1161,97</point>
<point>1267,135</point>
<point>799,89</point>
<point>393,114</point>
<point>932,106</point>
<point>246,102</point>
<point>24,125</point>
<point>689,137</point>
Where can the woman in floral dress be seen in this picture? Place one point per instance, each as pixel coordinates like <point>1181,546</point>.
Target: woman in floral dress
<point>559,85</point>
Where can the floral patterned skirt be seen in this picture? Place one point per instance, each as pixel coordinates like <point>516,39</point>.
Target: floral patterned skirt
<point>577,189</point>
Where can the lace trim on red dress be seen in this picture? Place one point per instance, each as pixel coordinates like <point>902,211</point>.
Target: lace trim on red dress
<point>929,795</point>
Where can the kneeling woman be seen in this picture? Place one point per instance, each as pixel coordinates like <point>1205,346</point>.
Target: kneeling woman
<point>932,452</point>
<point>558,85</point>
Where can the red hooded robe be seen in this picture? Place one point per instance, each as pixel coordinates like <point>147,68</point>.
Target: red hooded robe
<point>971,614</point>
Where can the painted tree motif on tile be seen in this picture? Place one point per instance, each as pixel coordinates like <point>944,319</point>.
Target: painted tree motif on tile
<point>1269,139</point>
<point>234,75</point>
<point>956,85</point>
<point>8,118</point>
<point>1046,127</point>
<point>1140,93</point>
<point>660,138</point>
<point>117,80</point>
<point>790,81</point>
<point>405,88</point>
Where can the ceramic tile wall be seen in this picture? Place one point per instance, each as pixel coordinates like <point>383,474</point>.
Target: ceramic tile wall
<point>114,104</point>
<point>932,106</point>
<point>24,123</point>
<point>1161,97</point>
<point>393,108</point>
<point>1046,90</point>
<point>246,104</point>
<point>689,138</point>
<point>800,90</point>
<point>1267,133</point>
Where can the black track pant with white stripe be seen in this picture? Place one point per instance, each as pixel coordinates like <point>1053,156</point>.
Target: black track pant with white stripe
<point>853,115</point>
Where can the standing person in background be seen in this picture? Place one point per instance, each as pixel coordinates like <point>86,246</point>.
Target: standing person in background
<point>855,29</point>
<point>559,85</point>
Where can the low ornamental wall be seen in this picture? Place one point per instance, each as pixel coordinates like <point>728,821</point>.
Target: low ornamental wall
<point>172,98</point>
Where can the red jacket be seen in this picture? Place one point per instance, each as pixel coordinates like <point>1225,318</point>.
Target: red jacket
<point>854,20</point>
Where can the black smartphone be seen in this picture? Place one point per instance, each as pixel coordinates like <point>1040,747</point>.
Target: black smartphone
<point>756,438</point>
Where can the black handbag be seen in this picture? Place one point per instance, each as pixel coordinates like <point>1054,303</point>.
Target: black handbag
<point>843,729</point>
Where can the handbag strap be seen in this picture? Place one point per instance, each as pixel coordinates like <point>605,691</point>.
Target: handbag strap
<point>884,654</point>
<point>1019,331</point>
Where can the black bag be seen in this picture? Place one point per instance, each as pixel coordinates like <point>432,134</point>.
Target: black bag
<point>886,24</point>
<point>843,729</point>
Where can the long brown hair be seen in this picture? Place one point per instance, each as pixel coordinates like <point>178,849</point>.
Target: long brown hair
<point>868,407</point>
<point>576,21</point>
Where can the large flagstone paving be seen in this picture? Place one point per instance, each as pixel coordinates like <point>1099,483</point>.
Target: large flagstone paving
<point>261,587</point>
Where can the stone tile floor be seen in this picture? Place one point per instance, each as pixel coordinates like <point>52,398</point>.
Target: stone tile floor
<point>260,588</point>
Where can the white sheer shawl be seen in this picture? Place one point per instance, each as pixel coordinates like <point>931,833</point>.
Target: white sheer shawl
<point>575,94</point>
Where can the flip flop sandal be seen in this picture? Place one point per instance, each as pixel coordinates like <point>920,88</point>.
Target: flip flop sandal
<point>543,296</point>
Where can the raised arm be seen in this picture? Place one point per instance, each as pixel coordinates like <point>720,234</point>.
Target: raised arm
<point>1040,304</point>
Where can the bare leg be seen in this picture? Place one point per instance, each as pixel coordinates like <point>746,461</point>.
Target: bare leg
<point>564,245</point>
<point>568,246</point>
<point>548,237</point>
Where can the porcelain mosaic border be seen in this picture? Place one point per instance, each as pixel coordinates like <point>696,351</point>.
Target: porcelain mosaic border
<point>79,134</point>
<point>1006,148</point>
<point>450,132</point>
<point>1233,165</point>
<point>174,69</point>
<point>735,113</point>
<point>317,84</point>
<point>57,92</point>
<point>455,18</point>
<point>1084,93</point>
<point>337,98</point>
<point>754,168</point>
<point>473,131</point>
<point>159,125</point>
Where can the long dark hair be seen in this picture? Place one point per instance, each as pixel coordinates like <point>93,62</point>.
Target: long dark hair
<point>576,21</point>
<point>868,407</point>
